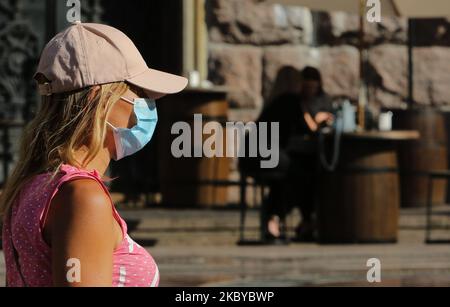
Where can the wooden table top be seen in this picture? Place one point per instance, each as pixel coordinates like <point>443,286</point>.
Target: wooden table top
<point>302,143</point>
<point>396,135</point>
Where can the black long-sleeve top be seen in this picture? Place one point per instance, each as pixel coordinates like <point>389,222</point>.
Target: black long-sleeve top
<point>289,109</point>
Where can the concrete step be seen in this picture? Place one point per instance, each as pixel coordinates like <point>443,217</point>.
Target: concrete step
<point>221,227</point>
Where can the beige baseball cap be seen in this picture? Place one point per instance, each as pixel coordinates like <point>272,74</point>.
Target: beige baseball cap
<point>88,54</point>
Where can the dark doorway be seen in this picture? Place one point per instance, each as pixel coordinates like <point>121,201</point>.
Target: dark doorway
<point>156,27</point>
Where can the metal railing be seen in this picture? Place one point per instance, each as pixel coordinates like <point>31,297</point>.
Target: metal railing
<point>6,155</point>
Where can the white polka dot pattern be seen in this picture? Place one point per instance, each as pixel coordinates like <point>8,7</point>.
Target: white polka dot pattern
<point>133,266</point>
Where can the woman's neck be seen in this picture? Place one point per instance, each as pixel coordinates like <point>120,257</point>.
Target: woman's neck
<point>100,163</point>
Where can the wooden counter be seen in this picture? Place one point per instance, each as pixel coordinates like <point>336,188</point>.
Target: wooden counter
<point>192,182</point>
<point>429,153</point>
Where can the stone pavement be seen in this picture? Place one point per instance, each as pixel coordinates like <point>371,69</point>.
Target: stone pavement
<point>197,248</point>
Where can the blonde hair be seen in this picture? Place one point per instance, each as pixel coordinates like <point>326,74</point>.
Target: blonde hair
<point>64,124</point>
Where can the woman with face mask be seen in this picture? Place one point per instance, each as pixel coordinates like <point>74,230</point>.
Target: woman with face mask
<point>98,103</point>
<point>300,105</point>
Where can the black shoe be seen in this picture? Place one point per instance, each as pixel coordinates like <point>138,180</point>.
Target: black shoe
<point>273,240</point>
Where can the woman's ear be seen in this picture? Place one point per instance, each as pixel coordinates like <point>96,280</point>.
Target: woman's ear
<point>94,93</point>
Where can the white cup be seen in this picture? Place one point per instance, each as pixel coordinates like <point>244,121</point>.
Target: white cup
<point>385,121</point>
<point>194,78</point>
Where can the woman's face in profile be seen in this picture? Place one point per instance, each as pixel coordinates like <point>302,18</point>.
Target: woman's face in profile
<point>310,88</point>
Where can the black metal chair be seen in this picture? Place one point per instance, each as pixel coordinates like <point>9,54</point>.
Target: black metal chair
<point>262,179</point>
<point>250,168</point>
<point>432,176</point>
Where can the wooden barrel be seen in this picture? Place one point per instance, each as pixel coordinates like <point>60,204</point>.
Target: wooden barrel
<point>428,153</point>
<point>192,182</point>
<point>359,202</point>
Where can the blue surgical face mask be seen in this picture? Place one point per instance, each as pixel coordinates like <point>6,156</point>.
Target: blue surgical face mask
<point>130,141</point>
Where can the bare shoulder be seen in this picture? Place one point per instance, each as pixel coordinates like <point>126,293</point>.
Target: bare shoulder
<point>83,196</point>
<point>79,203</point>
<point>82,227</point>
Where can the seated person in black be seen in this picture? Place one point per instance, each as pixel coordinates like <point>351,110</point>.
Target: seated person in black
<point>300,112</point>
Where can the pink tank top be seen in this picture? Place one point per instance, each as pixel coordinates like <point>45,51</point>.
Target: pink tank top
<point>133,266</point>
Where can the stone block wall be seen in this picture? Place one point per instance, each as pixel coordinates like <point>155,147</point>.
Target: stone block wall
<point>251,40</point>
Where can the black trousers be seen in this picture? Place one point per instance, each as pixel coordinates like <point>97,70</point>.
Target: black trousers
<point>294,185</point>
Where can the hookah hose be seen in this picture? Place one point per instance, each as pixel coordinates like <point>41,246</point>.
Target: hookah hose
<point>323,131</point>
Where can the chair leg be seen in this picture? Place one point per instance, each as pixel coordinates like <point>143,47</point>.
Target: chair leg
<point>255,196</point>
<point>284,228</point>
<point>284,213</point>
<point>243,205</point>
<point>429,209</point>
<point>263,215</point>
